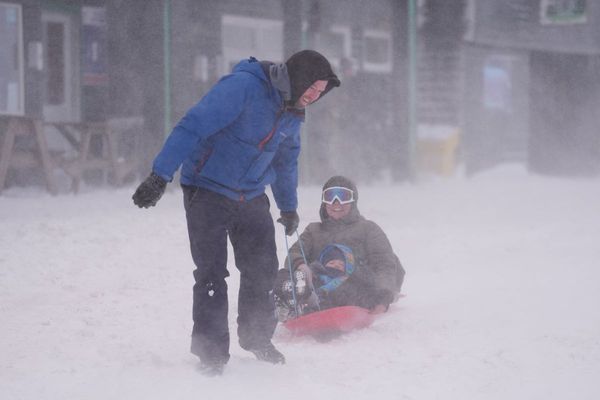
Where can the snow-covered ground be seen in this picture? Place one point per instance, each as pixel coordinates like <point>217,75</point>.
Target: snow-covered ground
<point>502,296</point>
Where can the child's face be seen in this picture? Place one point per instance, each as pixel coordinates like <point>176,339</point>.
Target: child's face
<point>336,264</point>
<point>337,210</point>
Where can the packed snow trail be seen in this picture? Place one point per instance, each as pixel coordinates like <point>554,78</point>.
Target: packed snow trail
<point>502,291</point>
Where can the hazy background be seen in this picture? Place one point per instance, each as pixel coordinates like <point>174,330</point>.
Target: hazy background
<point>428,87</point>
<point>473,135</point>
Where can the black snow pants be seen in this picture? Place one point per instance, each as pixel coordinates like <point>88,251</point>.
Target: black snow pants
<point>211,217</point>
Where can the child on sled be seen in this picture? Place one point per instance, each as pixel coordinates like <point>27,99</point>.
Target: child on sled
<point>349,260</point>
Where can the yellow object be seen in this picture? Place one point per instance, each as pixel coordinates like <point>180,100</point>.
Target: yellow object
<point>437,154</point>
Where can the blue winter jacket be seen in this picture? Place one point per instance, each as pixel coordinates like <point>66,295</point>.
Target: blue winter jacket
<point>236,140</point>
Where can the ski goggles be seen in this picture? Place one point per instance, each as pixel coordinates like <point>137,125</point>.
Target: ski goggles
<point>341,194</point>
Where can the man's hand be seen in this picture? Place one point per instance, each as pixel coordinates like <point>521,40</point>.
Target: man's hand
<point>149,191</point>
<point>290,220</point>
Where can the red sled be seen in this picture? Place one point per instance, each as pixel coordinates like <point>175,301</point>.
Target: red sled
<point>333,320</point>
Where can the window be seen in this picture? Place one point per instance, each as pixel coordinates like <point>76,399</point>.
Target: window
<point>62,72</point>
<point>335,44</point>
<point>55,84</point>
<point>11,60</point>
<point>497,83</point>
<point>246,36</point>
<point>377,51</point>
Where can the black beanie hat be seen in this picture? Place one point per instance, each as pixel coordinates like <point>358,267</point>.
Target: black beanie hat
<point>305,68</point>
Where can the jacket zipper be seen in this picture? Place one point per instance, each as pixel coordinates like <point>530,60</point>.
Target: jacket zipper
<point>261,145</point>
<point>203,161</point>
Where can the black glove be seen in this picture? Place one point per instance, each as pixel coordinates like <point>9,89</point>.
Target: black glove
<point>149,191</point>
<point>290,220</point>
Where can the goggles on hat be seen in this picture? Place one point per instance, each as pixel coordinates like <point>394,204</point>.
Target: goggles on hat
<point>341,194</point>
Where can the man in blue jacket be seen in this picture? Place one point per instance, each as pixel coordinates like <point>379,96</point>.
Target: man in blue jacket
<point>243,135</point>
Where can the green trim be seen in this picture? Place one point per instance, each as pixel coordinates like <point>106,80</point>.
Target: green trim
<point>61,6</point>
<point>412,85</point>
<point>167,64</point>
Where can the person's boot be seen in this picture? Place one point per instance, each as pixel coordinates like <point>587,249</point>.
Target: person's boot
<point>268,353</point>
<point>212,368</point>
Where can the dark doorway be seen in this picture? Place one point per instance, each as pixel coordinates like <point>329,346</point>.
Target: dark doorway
<point>565,114</point>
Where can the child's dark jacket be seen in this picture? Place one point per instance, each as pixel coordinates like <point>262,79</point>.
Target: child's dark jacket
<point>378,273</point>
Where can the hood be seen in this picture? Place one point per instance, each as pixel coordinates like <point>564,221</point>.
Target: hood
<point>331,280</point>
<point>280,79</point>
<point>305,68</point>
<point>260,69</point>
<point>252,66</point>
<point>342,181</point>
<point>338,250</point>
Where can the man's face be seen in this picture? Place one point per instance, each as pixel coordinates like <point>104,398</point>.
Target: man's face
<point>311,94</point>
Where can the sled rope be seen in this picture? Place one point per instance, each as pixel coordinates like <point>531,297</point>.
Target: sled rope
<point>301,247</point>
<point>306,263</point>
<point>287,248</point>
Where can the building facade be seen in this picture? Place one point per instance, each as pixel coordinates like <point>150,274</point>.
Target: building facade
<point>143,63</point>
<point>531,85</point>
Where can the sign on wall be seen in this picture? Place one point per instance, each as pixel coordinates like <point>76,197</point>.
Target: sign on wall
<point>562,12</point>
<point>94,37</point>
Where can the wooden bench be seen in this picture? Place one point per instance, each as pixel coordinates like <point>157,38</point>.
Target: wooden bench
<point>106,161</point>
<point>12,157</point>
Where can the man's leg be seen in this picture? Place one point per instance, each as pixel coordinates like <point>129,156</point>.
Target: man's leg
<point>207,216</point>
<point>253,239</point>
